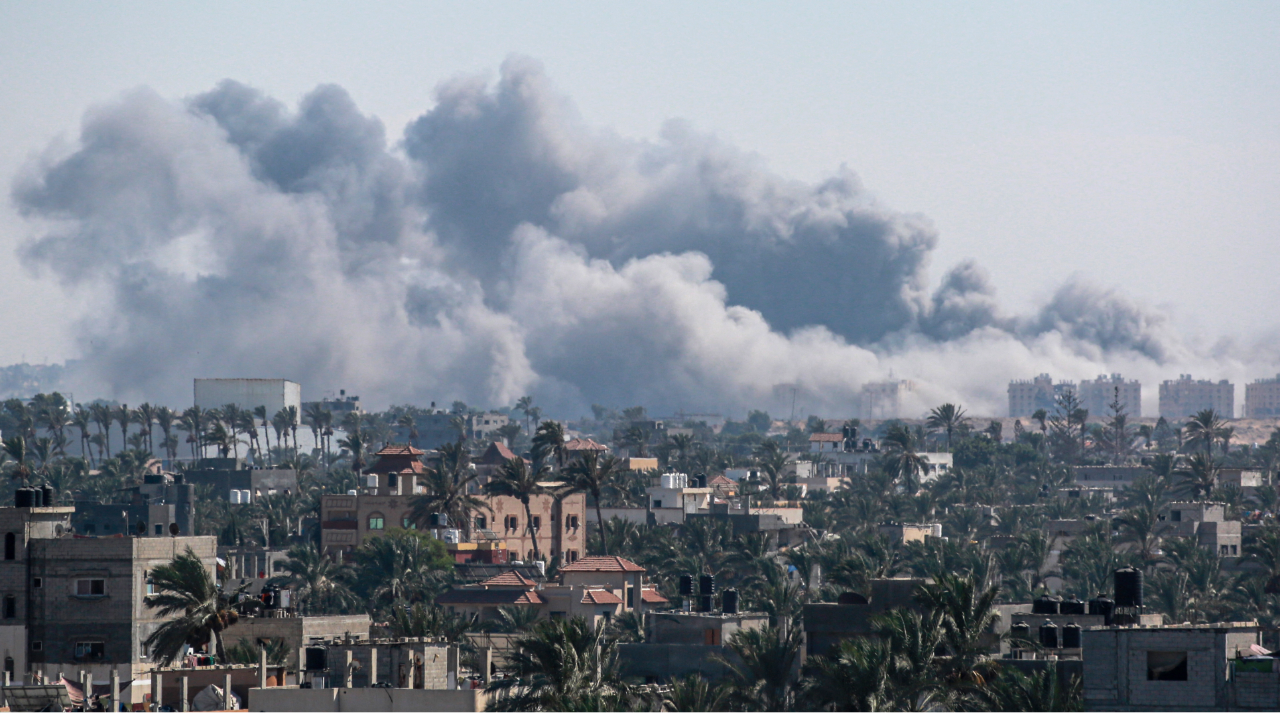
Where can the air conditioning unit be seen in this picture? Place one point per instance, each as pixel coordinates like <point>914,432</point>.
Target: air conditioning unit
<point>371,481</point>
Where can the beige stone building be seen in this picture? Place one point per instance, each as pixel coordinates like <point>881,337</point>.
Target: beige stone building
<point>1097,395</point>
<point>1185,397</point>
<point>1262,398</point>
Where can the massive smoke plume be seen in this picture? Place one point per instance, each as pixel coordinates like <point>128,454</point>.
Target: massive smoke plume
<point>504,248</point>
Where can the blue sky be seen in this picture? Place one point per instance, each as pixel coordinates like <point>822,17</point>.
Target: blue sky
<point>1134,143</point>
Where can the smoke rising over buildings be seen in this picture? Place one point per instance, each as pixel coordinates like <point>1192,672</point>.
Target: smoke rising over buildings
<point>503,247</point>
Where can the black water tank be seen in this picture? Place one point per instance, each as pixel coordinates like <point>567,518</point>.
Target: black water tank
<point>729,602</point>
<point>708,603</point>
<point>22,497</point>
<point>1071,636</point>
<point>179,479</point>
<point>707,585</point>
<point>1044,605</point>
<point>1071,607</point>
<point>1128,587</point>
<point>1049,635</point>
<point>686,584</point>
<point>1102,606</point>
<point>37,496</point>
<point>700,480</point>
<point>1021,631</point>
<point>316,661</point>
<point>49,495</point>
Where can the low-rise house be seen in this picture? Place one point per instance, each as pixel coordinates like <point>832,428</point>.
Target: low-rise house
<point>1205,521</point>
<point>1180,667</point>
<point>679,643</point>
<point>249,483</point>
<point>1114,477</point>
<point>298,631</point>
<point>900,534</point>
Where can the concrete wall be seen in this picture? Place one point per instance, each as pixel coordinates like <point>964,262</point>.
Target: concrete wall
<point>1115,670</point>
<point>299,631</point>
<point>290,699</point>
<point>662,661</point>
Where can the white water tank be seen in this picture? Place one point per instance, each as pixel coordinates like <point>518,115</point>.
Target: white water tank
<point>672,481</point>
<point>371,481</point>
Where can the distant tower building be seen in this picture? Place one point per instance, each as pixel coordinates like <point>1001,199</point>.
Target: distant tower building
<point>249,394</point>
<point>1097,395</point>
<point>1185,397</point>
<point>883,400</point>
<point>1028,396</point>
<point>1262,398</point>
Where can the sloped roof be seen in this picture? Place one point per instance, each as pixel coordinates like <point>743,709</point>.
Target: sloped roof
<point>396,450</point>
<point>487,596</point>
<point>509,578</point>
<point>602,563</point>
<point>721,480</point>
<point>496,454</point>
<point>580,444</point>
<point>398,459</point>
<point>650,595</point>
<point>600,597</point>
<point>826,437</point>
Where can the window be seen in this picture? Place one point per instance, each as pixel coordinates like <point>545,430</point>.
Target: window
<point>1166,665</point>
<point>571,555</point>
<point>10,546</point>
<point>8,667</point>
<point>159,530</point>
<point>1223,549</point>
<point>570,522</point>
<point>631,597</point>
<point>1176,515</point>
<point>91,650</point>
<point>149,585</point>
<point>10,607</point>
<point>657,503</point>
<point>375,522</point>
<point>37,582</point>
<point>1235,549</point>
<point>511,523</point>
<point>537,523</point>
<point>37,646</point>
<point>481,522</point>
<point>91,587</point>
<point>408,523</point>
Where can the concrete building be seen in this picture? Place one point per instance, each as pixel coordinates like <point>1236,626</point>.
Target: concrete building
<point>249,394</point>
<point>679,643</point>
<point>299,631</point>
<point>868,458</point>
<point>1114,477</point>
<point>899,534</point>
<point>884,400</point>
<point>341,406</point>
<point>1262,398</point>
<point>72,603</point>
<point>1097,395</point>
<point>239,483</point>
<point>1039,393</point>
<point>159,502</point>
<point>1186,667</point>
<point>437,427</point>
<point>826,625</point>
<point>1184,397</point>
<point>1206,522</point>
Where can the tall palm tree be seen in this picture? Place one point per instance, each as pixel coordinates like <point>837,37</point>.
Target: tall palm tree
<point>558,665</point>
<point>852,677</point>
<point>549,441</point>
<point>165,418</point>
<point>902,462</point>
<point>763,676</point>
<point>260,412</point>
<point>525,405</point>
<point>1205,428</point>
<point>1042,691</point>
<point>446,482</point>
<point>693,693</point>
<point>948,418</point>
<point>123,416</point>
<point>592,473</point>
<point>81,419</point>
<point>314,415</point>
<point>322,585</point>
<point>356,444</point>
<point>16,448</point>
<point>103,418</point>
<point>401,566</point>
<point>967,611</point>
<point>187,593</point>
<point>1200,475</point>
<point>519,480</point>
<point>145,417</point>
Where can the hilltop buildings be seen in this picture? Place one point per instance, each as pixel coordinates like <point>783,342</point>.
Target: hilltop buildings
<point>1097,395</point>
<point>1184,397</point>
<point>1040,393</point>
<point>1262,398</point>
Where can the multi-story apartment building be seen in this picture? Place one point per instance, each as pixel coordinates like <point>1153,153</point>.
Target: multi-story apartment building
<point>1262,398</point>
<point>1097,395</point>
<point>559,518</point>
<point>883,400</point>
<point>437,427</point>
<point>1040,393</point>
<point>1185,397</point>
<point>70,603</point>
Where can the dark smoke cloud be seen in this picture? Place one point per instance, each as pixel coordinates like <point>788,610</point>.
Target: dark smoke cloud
<point>505,248</point>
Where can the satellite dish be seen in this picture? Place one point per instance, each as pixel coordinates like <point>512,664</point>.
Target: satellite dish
<point>173,529</point>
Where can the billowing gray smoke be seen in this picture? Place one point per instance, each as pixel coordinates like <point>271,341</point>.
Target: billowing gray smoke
<point>505,248</point>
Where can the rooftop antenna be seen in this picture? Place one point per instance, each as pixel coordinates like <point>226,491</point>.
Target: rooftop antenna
<point>793,406</point>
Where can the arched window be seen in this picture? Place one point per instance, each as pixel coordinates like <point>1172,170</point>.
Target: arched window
<point>10,546</point>
<point>376,521</point>
<point>406,522</point>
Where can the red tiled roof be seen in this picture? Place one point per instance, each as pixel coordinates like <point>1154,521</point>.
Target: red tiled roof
<point>652,596</point>
<point>826,437</point>
<point>496,454</point>
<point>404,450</point>
<point>509,578</point>
<point>602,563</point>
<point>482,596</point>
<point>398,459</point>
<point>719,480</point>
<point>600,597</point>
<point>580,444</point>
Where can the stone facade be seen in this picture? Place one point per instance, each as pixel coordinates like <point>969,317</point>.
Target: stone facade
<point>1184,397</point>
<point>299,631</point>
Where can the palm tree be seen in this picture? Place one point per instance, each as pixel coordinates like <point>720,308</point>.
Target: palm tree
<point>186,592</point>
<point>516,618</point>
<point>967,611</point>
<point>81,419</point>
<point>322,585</point>
<point>446,483</point>
<point>519,480</point>
<point>693,693</point>
<point>401,565</point>
<point>1042,691</point>
<point>356,444</point>
<point>103,418</point>
<point>852,677</point>
<point>165,418</point>
<point>1200,475</point>
<point>145,417</point>
<point>549,441</point>
<point>525,405</point>
<point>592,473</point>
<point>948,418</point>
<point>314,415</point>
<point>260,412</point>
<point>763,674</point>
<point>124,417</point>
<point>1205,428</point>
<point>16,448</point>
<point>556,666</point>
<point>902,462</point>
